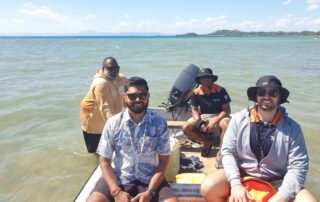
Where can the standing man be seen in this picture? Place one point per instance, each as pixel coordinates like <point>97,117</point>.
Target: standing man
<point>210,111</point>
<point>104,99</point>
<point>136,143</point>
<point>263,142</point>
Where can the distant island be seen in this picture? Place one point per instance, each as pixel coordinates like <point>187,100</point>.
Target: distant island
<point>246,34</point>
<point>218,33</point>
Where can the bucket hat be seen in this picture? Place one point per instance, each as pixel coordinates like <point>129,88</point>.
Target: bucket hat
<point>270,81</point>
<point>206,72</point>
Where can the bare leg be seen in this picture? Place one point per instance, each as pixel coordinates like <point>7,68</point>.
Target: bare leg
<point>97,197</point>
<point>304,196</point>
<point>171,200</point>
<point>189,130</point>
<point>215,187</point>
<point>223,125</point>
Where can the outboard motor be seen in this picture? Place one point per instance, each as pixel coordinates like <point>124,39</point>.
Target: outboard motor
<point>183,87</point>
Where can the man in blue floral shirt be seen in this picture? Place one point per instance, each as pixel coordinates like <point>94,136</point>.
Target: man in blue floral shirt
<point>134,152</point>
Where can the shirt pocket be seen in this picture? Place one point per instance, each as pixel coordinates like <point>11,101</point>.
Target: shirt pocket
<point>124,145</point>
<point>150,144</point>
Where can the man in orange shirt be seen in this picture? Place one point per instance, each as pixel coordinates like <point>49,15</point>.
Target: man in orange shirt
<point>210,112</point>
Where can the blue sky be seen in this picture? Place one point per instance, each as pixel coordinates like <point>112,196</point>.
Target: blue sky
<point>161,16</point>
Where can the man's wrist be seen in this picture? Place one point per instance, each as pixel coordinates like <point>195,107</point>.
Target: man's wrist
<point>199,123</point>
<point>235,182</point>
<point>115,192</point>
<point>152,191</point>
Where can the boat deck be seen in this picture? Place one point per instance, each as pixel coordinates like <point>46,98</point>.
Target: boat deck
<point>188,148</point>
<point>191,192</point>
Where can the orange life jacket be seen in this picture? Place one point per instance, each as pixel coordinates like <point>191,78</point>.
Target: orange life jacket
<point>259,189</point>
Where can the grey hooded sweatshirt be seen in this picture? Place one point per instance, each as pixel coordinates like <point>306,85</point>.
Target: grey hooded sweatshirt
<point>288,157</point>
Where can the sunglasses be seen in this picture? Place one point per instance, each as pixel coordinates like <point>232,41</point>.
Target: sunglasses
<point>134,96</point>
<point>113,68</point>
<point>273,92</point>
<point>205,77</point>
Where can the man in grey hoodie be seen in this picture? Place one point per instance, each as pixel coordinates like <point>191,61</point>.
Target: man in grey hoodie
<point>263,142</point>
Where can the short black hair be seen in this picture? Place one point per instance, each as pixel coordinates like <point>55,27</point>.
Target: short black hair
<point>136,81</point>
<point>114,61</point>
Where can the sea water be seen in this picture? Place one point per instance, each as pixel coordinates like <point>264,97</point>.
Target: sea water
<point>43,79</point>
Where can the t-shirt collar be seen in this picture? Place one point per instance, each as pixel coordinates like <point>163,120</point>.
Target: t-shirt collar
<point>255,116</point>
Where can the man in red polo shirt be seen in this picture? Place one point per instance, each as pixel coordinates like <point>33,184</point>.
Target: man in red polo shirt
<point>210,112</point>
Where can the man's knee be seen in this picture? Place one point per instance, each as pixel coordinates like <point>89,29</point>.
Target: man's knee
<point>224,123</point>
<point>187,128</point>
<point>97,197</point>
<point>215,184</point>
<point>304,195</point>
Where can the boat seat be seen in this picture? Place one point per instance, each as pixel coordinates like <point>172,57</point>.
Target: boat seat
<point>191,199</point>
<point>187,192</point>
<point>175,124</point>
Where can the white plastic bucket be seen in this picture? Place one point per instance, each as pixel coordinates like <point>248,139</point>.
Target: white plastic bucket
<point>174,162</point>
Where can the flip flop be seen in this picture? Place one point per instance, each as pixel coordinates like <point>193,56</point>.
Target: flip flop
<point>218,163</point>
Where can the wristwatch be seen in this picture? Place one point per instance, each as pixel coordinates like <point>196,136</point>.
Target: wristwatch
<point>115,192</point>
<point>152,192</point>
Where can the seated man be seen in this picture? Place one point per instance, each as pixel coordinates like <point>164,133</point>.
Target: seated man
<point>263,142</point>
<point>210,102</point>
<point>136,143</point>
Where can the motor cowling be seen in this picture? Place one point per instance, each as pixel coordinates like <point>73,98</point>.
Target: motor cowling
<point>183,87</point>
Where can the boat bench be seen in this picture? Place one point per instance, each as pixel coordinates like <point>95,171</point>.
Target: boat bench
<point>187,192</point>
<point>175,124</point>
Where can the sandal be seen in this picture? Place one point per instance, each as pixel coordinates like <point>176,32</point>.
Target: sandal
<point>218,163</point>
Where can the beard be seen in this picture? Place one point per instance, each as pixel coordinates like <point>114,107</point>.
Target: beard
<point>267,106</point>
<point>112,75</point>
<point>137,107</point>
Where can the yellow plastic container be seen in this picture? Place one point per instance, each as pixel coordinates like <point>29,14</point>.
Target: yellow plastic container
<point>174,162</point>
<point>190,178</point>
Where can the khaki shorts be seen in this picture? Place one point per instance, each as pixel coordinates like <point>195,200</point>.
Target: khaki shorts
<point>207,117</point>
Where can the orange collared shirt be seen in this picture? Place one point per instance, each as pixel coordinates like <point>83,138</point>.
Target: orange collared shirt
<point>262,134</point>
<point>255,116</point>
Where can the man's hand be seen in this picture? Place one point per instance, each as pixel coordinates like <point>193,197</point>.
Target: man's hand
<point>239,193</point>
<point>276,198</point>
<point>123,197</point>
<point>203,128</point>
<point>212,124</point>
<point>142,197</point>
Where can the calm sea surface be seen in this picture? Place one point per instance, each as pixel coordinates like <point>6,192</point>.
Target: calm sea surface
<point>43,155</point>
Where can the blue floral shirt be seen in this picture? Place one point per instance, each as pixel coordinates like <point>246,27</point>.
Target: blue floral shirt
<point>134,148</point>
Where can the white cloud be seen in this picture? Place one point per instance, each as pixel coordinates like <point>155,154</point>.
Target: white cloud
<point>248,25</point>
<point>300,23</point>
<point>316,23</point>
<point>313,4</point>
<point>211,24</point>
<point>177,25</point>
<point>91,17</point>
<point>17,21</point>
<point>10,21</point>
<point>287,2</point>
<point>282,23</point>
<point>46,12</point>
<point>3,21</point>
